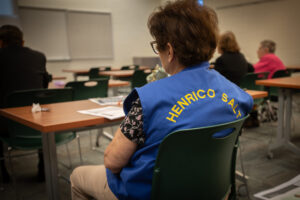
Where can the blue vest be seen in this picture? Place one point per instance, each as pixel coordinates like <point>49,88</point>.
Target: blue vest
<point>195,97</point>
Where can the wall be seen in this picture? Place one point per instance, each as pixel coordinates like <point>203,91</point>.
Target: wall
<point>276,20</point>
<point>130,33</point>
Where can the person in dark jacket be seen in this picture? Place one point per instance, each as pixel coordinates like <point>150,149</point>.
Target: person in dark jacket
<point>231,64</point>
<point>21,68</point>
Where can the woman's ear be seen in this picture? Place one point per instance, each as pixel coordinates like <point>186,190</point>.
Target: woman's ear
<point>170,52</point>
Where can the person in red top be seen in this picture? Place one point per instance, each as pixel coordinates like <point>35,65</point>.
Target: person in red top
<point>268,61</point>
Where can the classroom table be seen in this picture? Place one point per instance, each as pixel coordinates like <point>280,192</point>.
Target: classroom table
<point>286,88</point>
<point>121,73</point>
<point>113,84</point>
<point>59,78</point>
<point>256,94</point>
<point>62,117</point>
<point>293,68</point>
<point>117,74</point>
<point>85,72</point>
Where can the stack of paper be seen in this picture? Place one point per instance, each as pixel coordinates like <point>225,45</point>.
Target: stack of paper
<point>109,112</point>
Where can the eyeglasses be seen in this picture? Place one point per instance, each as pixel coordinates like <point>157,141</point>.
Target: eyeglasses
<point>154,47</point>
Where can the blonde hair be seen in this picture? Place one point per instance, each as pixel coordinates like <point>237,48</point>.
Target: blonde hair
<point>227,42</point>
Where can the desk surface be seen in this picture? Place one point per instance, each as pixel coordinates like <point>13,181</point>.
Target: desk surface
<point>288,82</point>
<point>111,84</point>
<point>62,116</point>
<point>257,94</point>
<point>59,78</point>
<point>119,73</point>
<point>293,67</point>
<point>86,71</point>
<point>117,83</point>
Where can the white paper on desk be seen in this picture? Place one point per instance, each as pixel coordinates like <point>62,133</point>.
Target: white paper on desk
<point>115,100</point>
<point>109,112</point>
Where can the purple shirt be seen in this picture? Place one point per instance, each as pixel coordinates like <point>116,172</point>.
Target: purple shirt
<point>269,63</point>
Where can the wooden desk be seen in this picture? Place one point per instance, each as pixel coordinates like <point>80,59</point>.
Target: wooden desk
<point>256,94</point>
<point>111,84</point>
<point>59,78</point>
<point>293,68</point>
<point>120,73</point>
<point>117,74</point>
<point>286,87</point>
<point>85,72</point>
<point>117,83</point>
<point>62,117</point>
<point>114,84</point>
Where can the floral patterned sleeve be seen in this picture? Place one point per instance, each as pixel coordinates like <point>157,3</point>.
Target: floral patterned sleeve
<point>132,125</point>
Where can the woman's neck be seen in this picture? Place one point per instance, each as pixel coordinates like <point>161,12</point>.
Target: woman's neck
<point>177,69</point>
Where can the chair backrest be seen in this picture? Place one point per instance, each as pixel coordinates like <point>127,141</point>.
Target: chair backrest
<point>281,73</point>
<point>41,96</point>
<point>128,67</point>
<point>94,72</point>
<point>23,137</point>
<point>89,89</point>
<point>192,164</point>
<point>248,81</point>
<point>138,79</point>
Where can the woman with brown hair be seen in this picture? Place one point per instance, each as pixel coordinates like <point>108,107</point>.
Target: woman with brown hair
<point>185,38</point>
<point>231,64</point>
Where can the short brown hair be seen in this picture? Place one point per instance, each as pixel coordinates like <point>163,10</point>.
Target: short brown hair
<point>271,45</point>
<point>228,43</point>
<point>191,29</point>
<point>11,35</point>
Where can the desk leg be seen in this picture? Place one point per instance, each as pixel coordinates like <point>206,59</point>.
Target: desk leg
<point>284,123</point>
<point>288,115</point>
<point>50,160</point>
<point>279,141</point>
<point>115,91</point>
<point>75,76</point>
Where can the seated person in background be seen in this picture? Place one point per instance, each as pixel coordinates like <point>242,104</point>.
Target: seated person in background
<point>21,68</point>
<point>231,64</point>
<point>268,61</point>
<point>193,96</point>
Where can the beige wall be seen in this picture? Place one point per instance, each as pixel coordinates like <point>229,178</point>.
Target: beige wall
<point>130,32</point>
<point>277,20</point>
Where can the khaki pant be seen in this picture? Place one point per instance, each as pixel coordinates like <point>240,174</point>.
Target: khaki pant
<point>90,182</point>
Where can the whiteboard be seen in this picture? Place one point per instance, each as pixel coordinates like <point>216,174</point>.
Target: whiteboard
<point>64,35</point>
<point>45,30</point>
<point>90,34</point>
